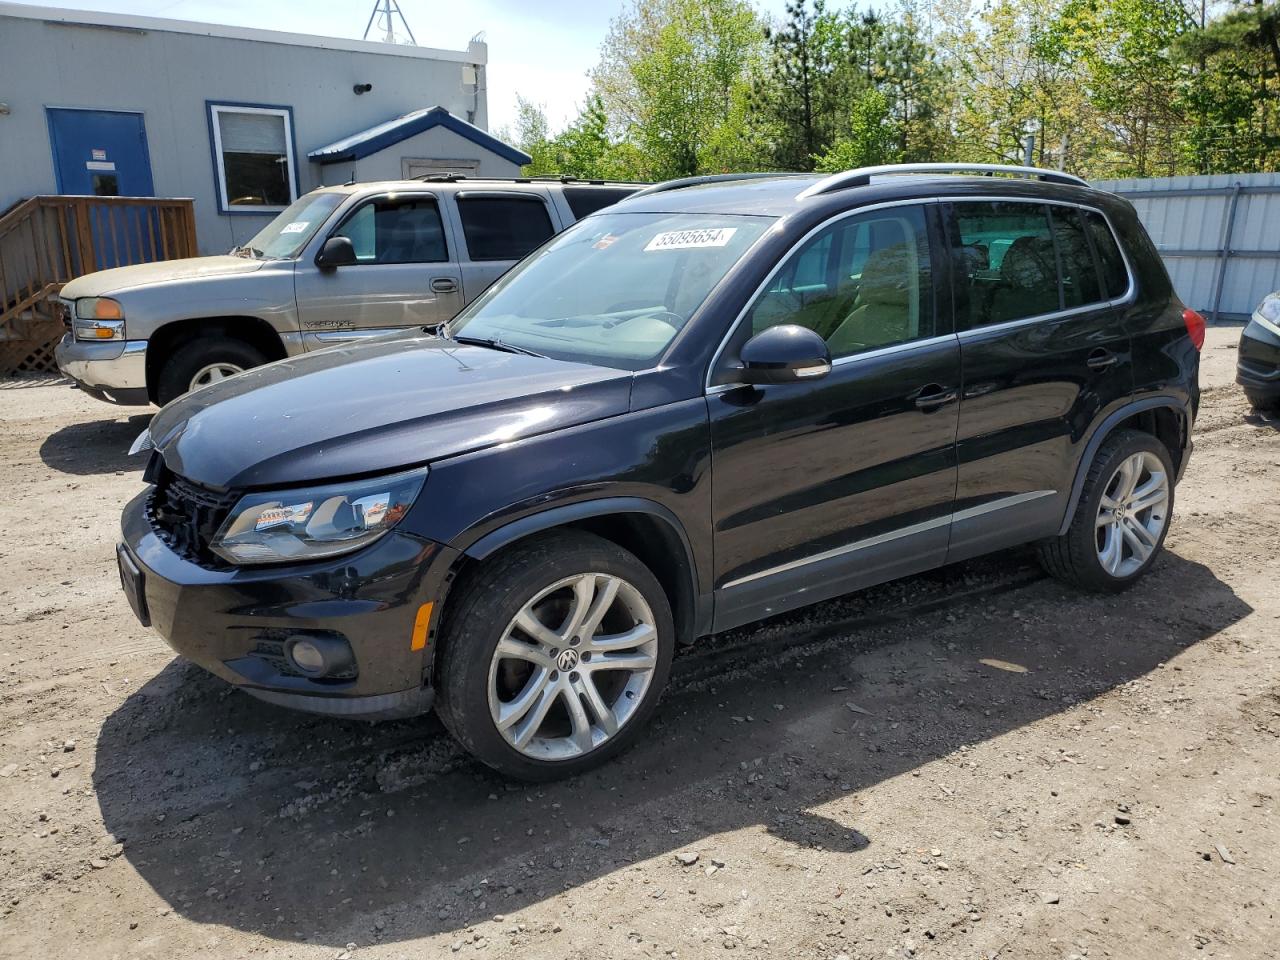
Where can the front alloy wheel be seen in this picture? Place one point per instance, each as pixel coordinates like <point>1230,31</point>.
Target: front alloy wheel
<point>572,666</point>
<point>212,374</point>
<point>553,655</point>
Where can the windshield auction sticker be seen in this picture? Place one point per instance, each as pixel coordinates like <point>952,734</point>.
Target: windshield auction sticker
<point>691,239</point>
<point>296,227</point>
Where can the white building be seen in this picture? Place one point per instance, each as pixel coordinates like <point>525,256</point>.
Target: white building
<point>240,120</point>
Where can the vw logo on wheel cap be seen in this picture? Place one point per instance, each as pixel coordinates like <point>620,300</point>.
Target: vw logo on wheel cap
<point>567,660</point>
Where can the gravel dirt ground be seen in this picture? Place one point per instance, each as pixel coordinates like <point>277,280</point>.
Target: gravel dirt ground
<point>974,763</point>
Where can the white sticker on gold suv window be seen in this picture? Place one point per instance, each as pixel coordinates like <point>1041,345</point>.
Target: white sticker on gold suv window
<point>691,239</point>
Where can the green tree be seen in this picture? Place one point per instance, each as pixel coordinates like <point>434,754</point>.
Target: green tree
<point>673,80</point>
<point>873,137</point>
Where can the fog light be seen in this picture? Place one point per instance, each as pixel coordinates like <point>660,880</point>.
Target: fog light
<point>319,655</point>
<point>306,656</point>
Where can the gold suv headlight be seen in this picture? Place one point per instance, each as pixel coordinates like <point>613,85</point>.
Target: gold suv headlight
<point>98,318</point>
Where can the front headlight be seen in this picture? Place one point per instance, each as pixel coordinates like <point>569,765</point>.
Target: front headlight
<point>99,318</point>
<point>1268,313</point>
<point>318,522</point>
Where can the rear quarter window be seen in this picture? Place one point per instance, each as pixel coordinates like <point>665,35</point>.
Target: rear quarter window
<point>1115,278</point>
<point>504,228</point>
<point>584,201</point>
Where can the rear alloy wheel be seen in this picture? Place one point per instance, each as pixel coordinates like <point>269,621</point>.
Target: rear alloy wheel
<point>553,655</point>
<point>1132,514</point>
<point>1121,518</point>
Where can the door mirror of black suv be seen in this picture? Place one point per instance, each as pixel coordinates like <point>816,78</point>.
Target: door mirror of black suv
<point>336,252</point>
<point>784,354</point>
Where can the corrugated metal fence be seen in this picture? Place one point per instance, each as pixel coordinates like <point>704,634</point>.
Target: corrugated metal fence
<point>1219,236</point>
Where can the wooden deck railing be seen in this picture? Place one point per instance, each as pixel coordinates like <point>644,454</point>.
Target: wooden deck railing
<point>46,241</point>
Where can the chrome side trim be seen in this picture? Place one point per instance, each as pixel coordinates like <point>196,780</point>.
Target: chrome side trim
<point>968,514</point>
<point>338,336</point>
<point>1002,504</point>
<point>896,348</point>
<point>841,551</point>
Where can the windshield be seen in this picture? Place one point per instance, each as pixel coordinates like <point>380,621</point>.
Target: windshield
<point>613,289</point>
<point>286,235</point>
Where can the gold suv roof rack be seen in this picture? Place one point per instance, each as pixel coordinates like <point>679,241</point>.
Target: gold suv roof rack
<point>862,176</point>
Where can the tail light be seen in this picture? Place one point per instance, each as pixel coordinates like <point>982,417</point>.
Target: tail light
<point>1195,326</point>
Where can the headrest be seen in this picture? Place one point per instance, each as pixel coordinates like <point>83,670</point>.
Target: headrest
<point>888,275</point>
<point>1029,263</point>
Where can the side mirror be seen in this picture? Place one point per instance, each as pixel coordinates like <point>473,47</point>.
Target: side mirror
<point>784,354</point>
<point>336,252</point>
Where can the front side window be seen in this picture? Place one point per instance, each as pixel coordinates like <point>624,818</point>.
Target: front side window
<point>504,228</point>
<point>613,289</point>
<point>862,283</point>
<point>1006,265</point>
<point>396,230</point>
<point>253,157</point>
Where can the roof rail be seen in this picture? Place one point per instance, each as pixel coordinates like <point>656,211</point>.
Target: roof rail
<point>683,182</point>
<point>862,176</point>
<point>562,178</point>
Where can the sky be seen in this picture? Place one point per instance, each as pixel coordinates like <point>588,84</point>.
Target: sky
<point>540,49</point>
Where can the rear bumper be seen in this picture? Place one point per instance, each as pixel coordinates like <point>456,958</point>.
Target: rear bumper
<point>237,623</point>
<point>113,371</point>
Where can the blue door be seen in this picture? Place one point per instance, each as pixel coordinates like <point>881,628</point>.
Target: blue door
<point>100,153</point>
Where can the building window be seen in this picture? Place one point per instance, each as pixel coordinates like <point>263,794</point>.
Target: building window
<point>253,157</point>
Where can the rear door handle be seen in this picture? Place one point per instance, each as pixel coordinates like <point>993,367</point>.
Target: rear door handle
<point>444,285</point>
<point>1101,358</point>
<point>933,396</point>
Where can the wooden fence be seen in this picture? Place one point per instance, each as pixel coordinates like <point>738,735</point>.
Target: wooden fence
<point>47,241</point>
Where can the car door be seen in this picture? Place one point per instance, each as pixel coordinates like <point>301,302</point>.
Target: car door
<point>821,487</point>
<point>404,275</point>
<point>1043,352</point>
<point>499,229</point>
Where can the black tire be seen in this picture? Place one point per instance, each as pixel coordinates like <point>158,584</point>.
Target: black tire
<point>1266,402</point>
<point>478,617</point>
<point>1073,557</point>
<point>189,359</point>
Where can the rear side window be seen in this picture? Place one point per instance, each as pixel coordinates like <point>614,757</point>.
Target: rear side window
<point>1115,278</point>
<point>1079,275</point>
<point>504,228</point>
<point>404,230</point>
<point>584,201</point>
<point>1007,269</point>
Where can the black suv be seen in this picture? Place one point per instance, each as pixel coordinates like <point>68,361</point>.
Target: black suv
<point>722,399</point>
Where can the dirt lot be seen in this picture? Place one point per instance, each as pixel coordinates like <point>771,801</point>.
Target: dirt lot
<point>974,763</point>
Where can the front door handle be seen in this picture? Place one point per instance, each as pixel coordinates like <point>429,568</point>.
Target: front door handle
<point>933,396</point>
<point>444,285</point>
<point>1101,358</point>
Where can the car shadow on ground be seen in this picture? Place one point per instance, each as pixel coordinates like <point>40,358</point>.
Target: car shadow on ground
<point>241,814</point>
<point>94,448</point>
<point>1263,419</point>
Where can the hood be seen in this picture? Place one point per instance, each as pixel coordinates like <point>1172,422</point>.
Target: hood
<point>107,282</point>
<point>374,407</point>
